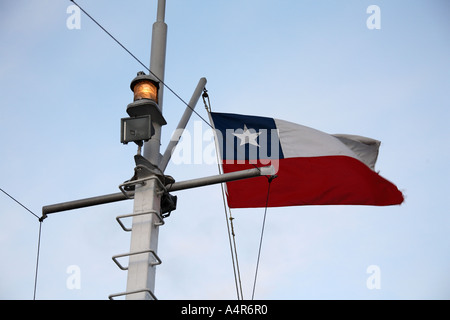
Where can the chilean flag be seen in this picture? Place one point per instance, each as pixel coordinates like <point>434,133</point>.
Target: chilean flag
<point>312,167</point>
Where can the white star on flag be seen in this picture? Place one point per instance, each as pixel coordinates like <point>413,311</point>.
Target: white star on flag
<point>248,137</point>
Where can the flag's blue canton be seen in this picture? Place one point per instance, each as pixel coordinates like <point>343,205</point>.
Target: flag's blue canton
<point>247,137</point>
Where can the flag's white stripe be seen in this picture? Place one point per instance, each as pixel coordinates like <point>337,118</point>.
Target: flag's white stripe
<point>301,141</point>
<point>365,148</point>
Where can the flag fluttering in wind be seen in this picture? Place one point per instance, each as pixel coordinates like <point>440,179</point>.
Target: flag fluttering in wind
<point>312,167</point>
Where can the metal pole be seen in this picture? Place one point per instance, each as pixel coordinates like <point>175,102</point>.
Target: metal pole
<point>182,124</point>
<point>144,235</point>
<point>177,186</point>
<point>157,67</point>
<point>83,203</point>
<point>221,178</point>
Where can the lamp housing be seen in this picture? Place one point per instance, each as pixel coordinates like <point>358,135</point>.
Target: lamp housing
<point>145,98</point>
<point>145,86</point>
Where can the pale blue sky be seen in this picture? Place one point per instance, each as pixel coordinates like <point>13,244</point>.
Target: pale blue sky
<point>315,63</point>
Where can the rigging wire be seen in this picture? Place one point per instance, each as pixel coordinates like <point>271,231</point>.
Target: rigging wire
<point>38,242</point>
<point>37,260</point>
<point>228,217</point>
<point>18,202</point>
<point>262,234</point>
<point>140,62</point>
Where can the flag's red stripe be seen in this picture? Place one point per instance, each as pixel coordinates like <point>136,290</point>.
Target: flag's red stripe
<point>326,180</point>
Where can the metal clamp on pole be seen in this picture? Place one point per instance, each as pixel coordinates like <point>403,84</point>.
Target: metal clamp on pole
<point>118,218</point>
<point>132,292</point>
<point>127,185</point>
<point>158,260</point>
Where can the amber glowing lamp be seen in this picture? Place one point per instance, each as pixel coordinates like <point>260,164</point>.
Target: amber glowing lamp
<point>145,97</point>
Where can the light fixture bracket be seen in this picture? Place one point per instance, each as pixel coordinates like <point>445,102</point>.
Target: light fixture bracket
<point>144,107</point>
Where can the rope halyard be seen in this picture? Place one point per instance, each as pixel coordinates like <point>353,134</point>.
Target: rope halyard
<point>228,217</point>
